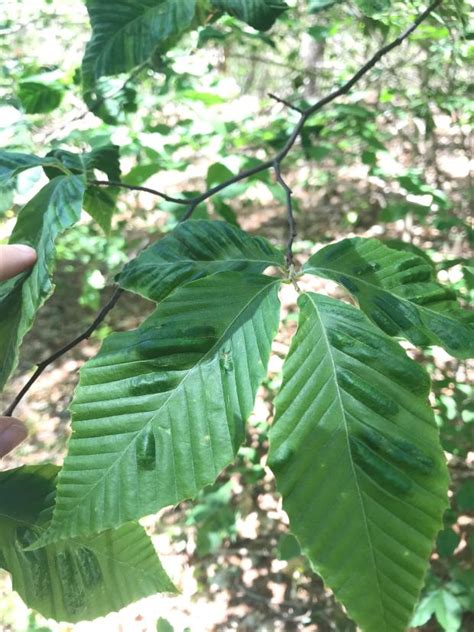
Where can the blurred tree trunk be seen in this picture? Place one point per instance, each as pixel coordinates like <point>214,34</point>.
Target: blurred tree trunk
<point>312,56</point>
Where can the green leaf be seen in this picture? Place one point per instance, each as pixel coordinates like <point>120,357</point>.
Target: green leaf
<point>207,98</point>
<point>105,158</point>
<point>13,163</point>
<point>78,579</point>
<point>40,98</point>
<point>424,611</point>
<point>406,246</point>
<point>7,197</point>
<point>217,174</point>
<point>446,606</point>
<point>319,152</point>
<point>398,291</point>
<point>448,611</point>
<point>64,159</point>
<point>161,410</point>
<point>99,202</point>
<point>370,7</point>
<point>357,459</point>
<point>319,5</point>
<point>447,542</point>
<point>465,496</point>
<point>261,14</point>
<point>139,174</point>
<point>163,625</point>
<point>224,210</point>
<point>125,33</point>
<point>54,209</point>
<point>194,250</point>
<point>288,547</point>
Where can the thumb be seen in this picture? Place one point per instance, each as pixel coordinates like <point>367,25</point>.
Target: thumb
<point>14,259</point>
<point>12,433</point>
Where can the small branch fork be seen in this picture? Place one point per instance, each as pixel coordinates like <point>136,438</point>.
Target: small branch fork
<point>192,203</point>
<point>286,103</point>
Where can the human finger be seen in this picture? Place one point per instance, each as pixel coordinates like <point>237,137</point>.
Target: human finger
<point>14,259</point>
<point>12,433</point>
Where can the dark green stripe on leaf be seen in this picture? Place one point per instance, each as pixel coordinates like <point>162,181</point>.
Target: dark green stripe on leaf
<point>377,468</point>
<point>366,394</point>
<point>399,292</point>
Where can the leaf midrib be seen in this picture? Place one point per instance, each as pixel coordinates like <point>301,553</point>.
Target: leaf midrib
<point>219,262</point>
<point>356,478</point>
<point>172,394</point>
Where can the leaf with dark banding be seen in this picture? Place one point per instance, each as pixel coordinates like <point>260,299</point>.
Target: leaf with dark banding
<point>53,210</point>
<point>161,410</point>
<point>14,163</point>
<point>75,580</point>
<point>399,293</point>
<point>195,250</point>
<point>261,14</point>
<point>357,458</point>
<point>125,33</point>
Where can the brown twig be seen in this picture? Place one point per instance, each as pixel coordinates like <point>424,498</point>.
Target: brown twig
<point>286,103</point>
<point>291,217</point>
<point>132,187</point>
<point>273,62</point>
<point>60,352</point>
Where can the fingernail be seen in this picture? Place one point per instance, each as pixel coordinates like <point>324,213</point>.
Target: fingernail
<point>11,436</point>
<point>24,249</point>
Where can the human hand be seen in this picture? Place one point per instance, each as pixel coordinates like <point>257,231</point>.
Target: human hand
<point>12,433</point>
<point>13,260</point>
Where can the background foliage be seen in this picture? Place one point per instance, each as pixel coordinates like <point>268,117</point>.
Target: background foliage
<point>392,160</point>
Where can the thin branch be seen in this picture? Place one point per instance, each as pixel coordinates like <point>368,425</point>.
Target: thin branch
<point>60,352</point>
<point>131,187</point>
<point>291,217</point>
<point>273,62</point>
<point>286,103</point>
<point>192,205</point>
